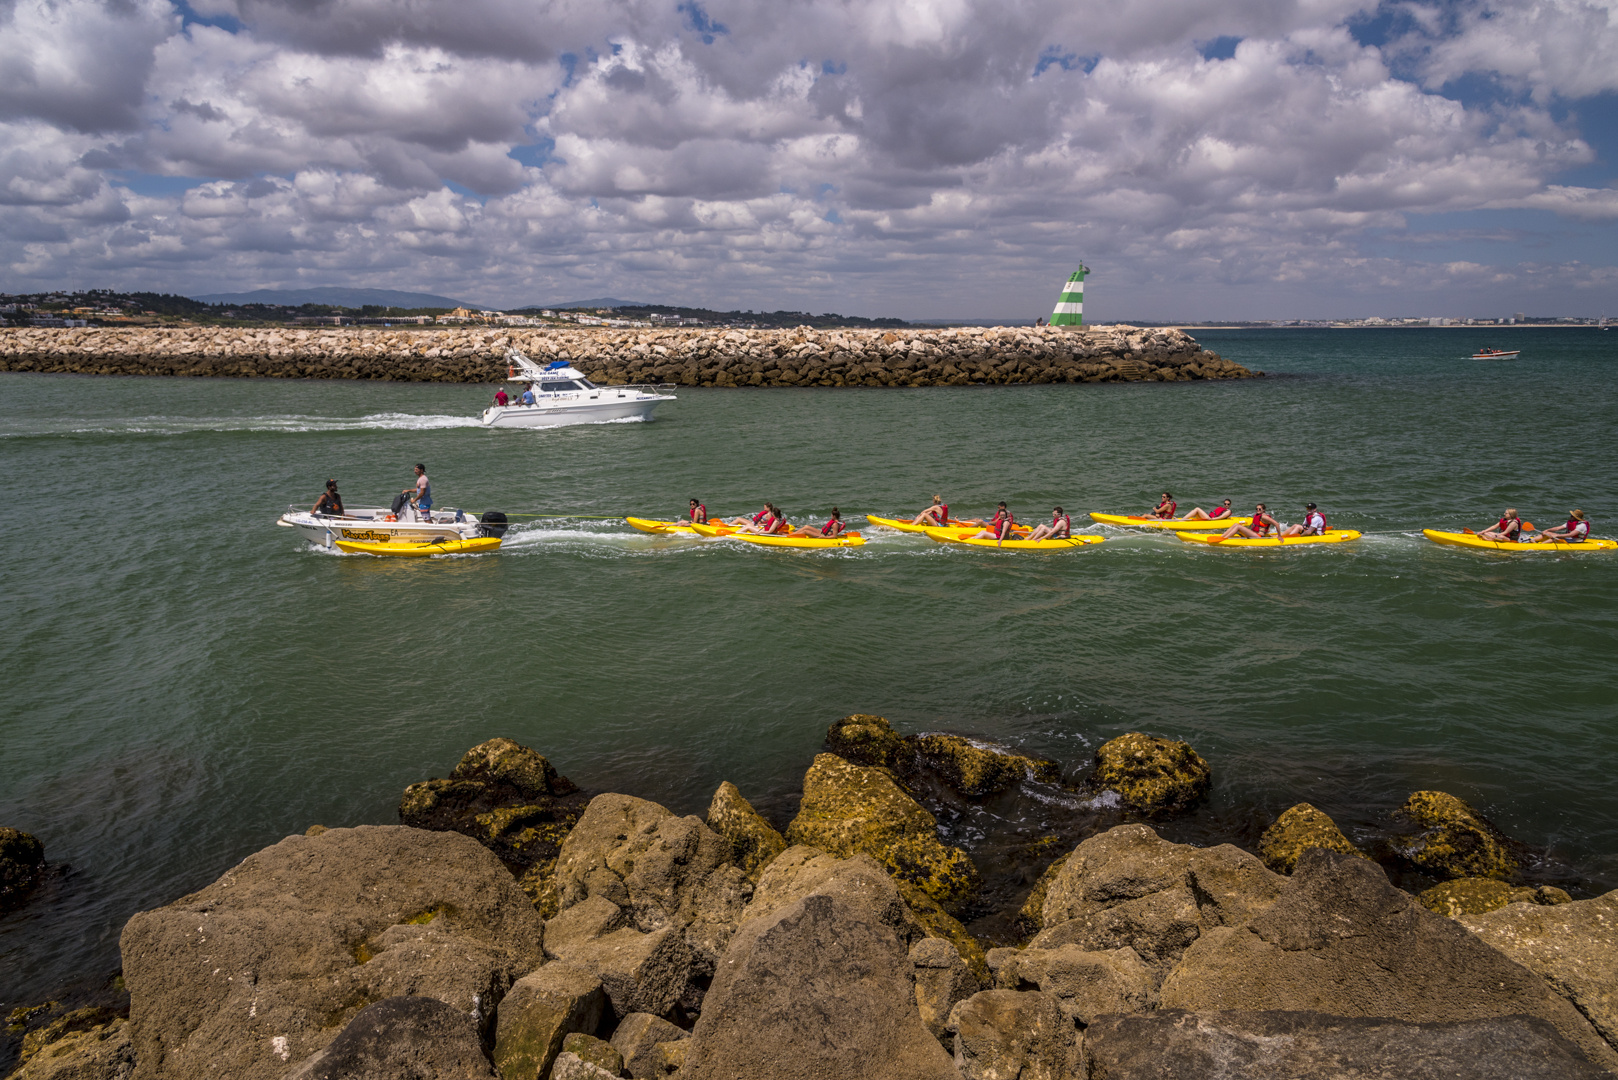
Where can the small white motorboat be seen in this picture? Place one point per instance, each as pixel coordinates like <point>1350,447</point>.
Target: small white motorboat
<point>380,525</point>
<point>562,395</point>
<point>1496,354</point>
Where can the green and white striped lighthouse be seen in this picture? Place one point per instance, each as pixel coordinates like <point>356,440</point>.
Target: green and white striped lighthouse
<point>1070,305</point>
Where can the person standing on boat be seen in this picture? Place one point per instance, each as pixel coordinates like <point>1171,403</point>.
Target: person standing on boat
<point>330,503</point>
<point>421,496</point>
<point>500,398</point>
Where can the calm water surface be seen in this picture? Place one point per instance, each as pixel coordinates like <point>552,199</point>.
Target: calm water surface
<point>184,683</point>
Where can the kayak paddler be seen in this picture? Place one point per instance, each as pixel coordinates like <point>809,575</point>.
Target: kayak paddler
<point>991,523</point>
<point>1314,523</point>
<point>1576,531</point>
<point>834,525</point>
<point>1508,530</point>
<point>1165,509</point>
<point>1197,513</point>
<point>1261,525</point>
<point>698,512</point>
<point>757,519</point>
<point>1060,527</point>
<point>999,528</point>
<point>936,514</point>
<point>774,524</point>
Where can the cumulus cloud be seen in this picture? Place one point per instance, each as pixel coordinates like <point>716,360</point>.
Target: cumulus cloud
<point>902,156</point>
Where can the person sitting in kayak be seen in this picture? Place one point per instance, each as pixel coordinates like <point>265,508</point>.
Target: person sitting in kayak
<point>1000,528</point>
<point>1197,513</point>
<point>1165,509</point>
<point>834,526</point>
<point>757,519</point>
<point>1261,526</point>
<point>991,523</point>
<point>936,514</point>
<point>330,503</point>
<point>773,525</point>
<point>1060,527</point>
<point>1508,530</point>
<point>1576,531</point>
<point>698,512</point>
<point>1314,523</point>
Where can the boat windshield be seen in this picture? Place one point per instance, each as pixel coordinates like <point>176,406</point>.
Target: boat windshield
<point>557,387</point>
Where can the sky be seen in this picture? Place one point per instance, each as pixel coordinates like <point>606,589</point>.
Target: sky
<point>1238,159</point>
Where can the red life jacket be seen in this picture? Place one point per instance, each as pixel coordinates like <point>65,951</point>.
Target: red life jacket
<point>700,514</point>
<point>758,518</point>
<point>1308,523</point>
<point>1220,511</point>
<point>1062,524</point>
<point>1173,506</point>
<point>1003,528</point>
<point>1257,524</point>
<point>832,527</point>
<point>943,513</point>
<point>1510,526</point>
<point>1576,529</point>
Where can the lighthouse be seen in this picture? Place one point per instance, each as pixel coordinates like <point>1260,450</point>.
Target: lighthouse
<point>1070,304</point>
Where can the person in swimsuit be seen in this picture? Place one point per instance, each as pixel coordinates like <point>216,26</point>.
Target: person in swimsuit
<point>936,514</point>
<point>999,529</point>
<point>980,523</point>
<point>330,503</point>
<point>834,526</point>
<point>1508,530</point>
<point>1164,510</point>
<point>1197,513</point>
<point>1314,523</point>
<point>1576,531</point>
<point>1060,527</point>
<point>757,519</point>
<point>1261,526</point>
<point>698,512</point>
<point>774,525</point>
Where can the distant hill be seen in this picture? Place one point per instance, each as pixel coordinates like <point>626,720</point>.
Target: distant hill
<point>598,302</point>
<point>338,297</point>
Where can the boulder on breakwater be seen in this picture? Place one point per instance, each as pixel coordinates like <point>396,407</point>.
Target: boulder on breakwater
<point>22,858</point>
<point>958,356</point>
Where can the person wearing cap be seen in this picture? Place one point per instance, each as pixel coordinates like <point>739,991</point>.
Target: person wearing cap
<point>1197,513</point>
<point>330,503</point>
<point>1576,531</point>
<point>1314,523</point>
<point>1508,530</point>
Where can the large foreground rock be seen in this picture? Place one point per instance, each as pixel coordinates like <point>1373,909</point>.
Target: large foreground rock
<point>1573,946</point>
<point>402,1038</point>
<point>1342,940</point>
<point>1150,774</point>
<point>1253,1045</point>
<point>817,983</point>
<point>1129,888</point>
<point>1006,1035</point>
<point>849,810</point>
<point>21,859</point>
<point>1296,831</point>
<point>265,966</point>
<point>1455,840</point>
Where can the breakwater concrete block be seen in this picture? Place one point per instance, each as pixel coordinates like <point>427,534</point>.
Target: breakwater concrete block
<point>959,356</point>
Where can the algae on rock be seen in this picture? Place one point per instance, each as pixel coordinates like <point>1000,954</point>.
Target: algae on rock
<point>753,843</point>
<point>1150,774</point>
<point>974,769</point>
<point>1297,830</point>
<point>1456,841</point>
<point>870,740</point>
<point>1477,895</point>
<point>21,858</point>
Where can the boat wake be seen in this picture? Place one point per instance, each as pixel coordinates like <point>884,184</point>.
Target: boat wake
<point>187,425</point>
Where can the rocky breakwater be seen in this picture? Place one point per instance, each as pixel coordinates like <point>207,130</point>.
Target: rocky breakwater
<point>687,357</point>
<point>645,944</point>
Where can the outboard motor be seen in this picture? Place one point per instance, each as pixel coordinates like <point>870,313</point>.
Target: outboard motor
<point>492,523</point>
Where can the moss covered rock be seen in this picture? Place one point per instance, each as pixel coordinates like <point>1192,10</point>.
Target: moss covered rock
<point>848,810</point>
<point>1031,917</point>
<point>1456,841</point>
<point>21,859</point>
<point>975,769</point>
<point>870,740</point>
<point>1151,775</point>
<point>1295,832</point>
<point>1477,895</point>
<point>598,1052</point>
<point>753,842</point>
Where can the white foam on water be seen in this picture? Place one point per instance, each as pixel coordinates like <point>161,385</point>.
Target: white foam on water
<point>294,422</point>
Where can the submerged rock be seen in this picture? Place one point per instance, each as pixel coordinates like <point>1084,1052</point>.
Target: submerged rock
<point>1151,775</point>
<point>1572,946</point>
<point>753,842</point>
<point>265,966</point>
<point>22,857</point>
<point>1006,1035</point>
<point>1297,830</point>
<point>402,1037</point>
<point>1476,895</point>
<point>871,741</point>
<point>1306,1045</point>
<point>849,810</point>
<point>1455,841</point>
<point>1342,940</point>
<point>975,769</point>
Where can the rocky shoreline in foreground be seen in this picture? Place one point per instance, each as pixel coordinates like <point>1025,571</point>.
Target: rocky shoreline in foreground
<point>515,926</point>
<point>685,357</point>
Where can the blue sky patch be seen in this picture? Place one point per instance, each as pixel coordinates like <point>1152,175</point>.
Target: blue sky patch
<point>144,183</point>
<point>1220,48</point>
<point>536,155</point>
<point>1055,57</point>
<point>697,19</point>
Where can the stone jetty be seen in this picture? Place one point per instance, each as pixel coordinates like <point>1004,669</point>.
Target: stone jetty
<point>687,357</point>
<point>516,928</point>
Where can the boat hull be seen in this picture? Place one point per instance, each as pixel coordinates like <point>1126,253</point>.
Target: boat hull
<point>327,531</point>
<point>562,415</point>
<point>844,541</point>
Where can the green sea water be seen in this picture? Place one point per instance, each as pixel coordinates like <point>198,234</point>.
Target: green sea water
<point>184,682</point>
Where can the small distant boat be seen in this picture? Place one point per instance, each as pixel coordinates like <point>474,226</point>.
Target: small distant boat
<point>1496,354</point>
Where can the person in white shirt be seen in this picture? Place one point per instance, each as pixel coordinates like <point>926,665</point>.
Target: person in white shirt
<point>1314,523</point>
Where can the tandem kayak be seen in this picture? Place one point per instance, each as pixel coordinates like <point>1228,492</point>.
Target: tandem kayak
<point>845,540</point>
<point>661,528</point>
<point>471,546</point>
<point>1141,522</point>
<point>712,530</point>
<point>1473,541</point>
<point>954,523</point>
<point>951,536</point>
<point>1331,536</point>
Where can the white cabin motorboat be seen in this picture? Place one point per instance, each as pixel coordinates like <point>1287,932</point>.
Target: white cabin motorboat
<point>380,525</point>
<point>562,395</point>
<point>1496,354</point>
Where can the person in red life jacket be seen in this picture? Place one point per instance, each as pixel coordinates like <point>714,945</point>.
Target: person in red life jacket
<point>1261,525</point>
<point>1060,527</point>
<point>1314,523</point>
<point>773,524</point>
<point>999,529</point>
<point>1508,530</point>
<point>1197,513</point>
<point>757,519</point>
<point>500,398</point>
<point>834,525</point>
<point>1576,531</point>
<point>698,512</point>
<point>989,524</point>
<point>936,514</point>
<point>1165,509</point>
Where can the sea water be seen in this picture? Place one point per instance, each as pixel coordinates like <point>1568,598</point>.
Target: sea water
<point>184,682</point>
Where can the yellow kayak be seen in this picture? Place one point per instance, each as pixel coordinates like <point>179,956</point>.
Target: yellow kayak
<point>953,536</point>
<point>1472,541</point>
<point>845,540</point>
<point>713,530</point>
<point>954,524</point>
<point>1141,522</point>
<point>447,547</point>
<point>661,528</point>
<point>1331,536</point>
